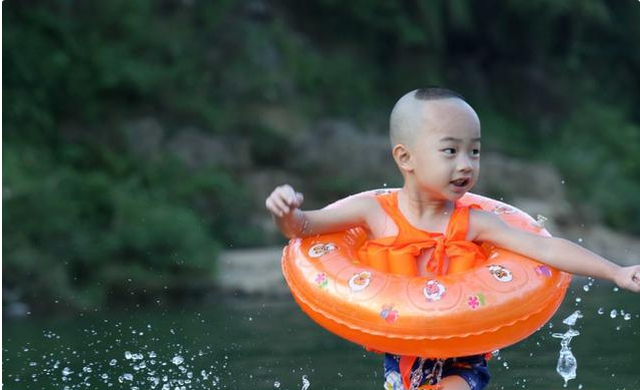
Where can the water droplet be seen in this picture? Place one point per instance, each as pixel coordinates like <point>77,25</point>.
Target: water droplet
<point>627,317</point>
<point>128,377</point>
<point>66,371</point>
<point>113,362</point>
<point>580,239</point>
<point>601,311</point>
<point>571,320</point>
<point>616,289</point>
<point>127,355</point>
<point>585,287</point>
<point>177,360</point>
<point>613,314</point>
<point>276,384</point>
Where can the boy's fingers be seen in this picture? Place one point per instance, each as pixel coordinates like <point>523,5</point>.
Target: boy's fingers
<point>281,205</point>
<point>272,207</point>
<point>283,199</point>
<point>278,206</point>
<point>290,195</point>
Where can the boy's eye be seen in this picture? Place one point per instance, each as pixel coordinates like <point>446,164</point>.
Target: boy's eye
<point>475,152</point>
<point>449,151</point>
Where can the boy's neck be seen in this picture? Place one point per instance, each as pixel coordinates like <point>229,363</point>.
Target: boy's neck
<point>421,206</point>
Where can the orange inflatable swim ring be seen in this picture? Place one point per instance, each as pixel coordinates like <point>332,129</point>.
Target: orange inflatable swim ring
<point>488,307</point>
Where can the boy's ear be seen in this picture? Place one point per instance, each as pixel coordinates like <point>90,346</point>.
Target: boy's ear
<point>402,156</point>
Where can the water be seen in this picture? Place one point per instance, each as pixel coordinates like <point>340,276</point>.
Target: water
<point>567,364</point>
<point>259,343</point>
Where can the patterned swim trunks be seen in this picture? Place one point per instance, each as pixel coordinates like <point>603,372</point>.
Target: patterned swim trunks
<point>425,372</point>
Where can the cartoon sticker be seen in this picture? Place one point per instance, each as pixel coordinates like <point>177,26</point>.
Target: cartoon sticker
<point>360,281</point>
<point>501,273</point>
<point>389,313</point>
<point>543,270</point>
<point>321,280</point>
<point>321,249</point>
<point>475,301</point>
<point>433,290</point>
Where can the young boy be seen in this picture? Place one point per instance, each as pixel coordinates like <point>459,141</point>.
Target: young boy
<point>435,138</point>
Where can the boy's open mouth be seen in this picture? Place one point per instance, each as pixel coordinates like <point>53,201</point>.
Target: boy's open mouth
<point>460,182</point>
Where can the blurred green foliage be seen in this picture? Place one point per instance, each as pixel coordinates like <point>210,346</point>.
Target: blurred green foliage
<point>85,217</point>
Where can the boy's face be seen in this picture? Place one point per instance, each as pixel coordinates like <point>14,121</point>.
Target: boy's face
<point>445,154</point>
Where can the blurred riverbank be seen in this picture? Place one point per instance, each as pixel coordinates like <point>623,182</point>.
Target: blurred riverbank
<point>142,137</point>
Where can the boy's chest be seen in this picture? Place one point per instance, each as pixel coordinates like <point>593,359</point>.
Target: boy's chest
<point>384,226</point>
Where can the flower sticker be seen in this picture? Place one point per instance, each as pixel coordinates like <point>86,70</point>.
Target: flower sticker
<point>319,250</point>
<point>475,301</point>
<point>543,270</point>
<point>433,290</point>
<point>321,280</point>
<point>360,281</point>
<point>389,314</point>
<point>500,273</point>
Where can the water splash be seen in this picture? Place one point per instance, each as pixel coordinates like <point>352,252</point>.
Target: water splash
<point>119,365</point>
<point>567,364</point>
<point>571,320</point>
<point>305,383</point>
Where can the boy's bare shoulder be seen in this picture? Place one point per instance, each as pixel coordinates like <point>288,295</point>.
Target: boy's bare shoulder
<point>482,221</point>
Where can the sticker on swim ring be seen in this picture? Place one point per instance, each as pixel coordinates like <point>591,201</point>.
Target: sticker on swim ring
<point>321,280</point>
<point>543,270</point>
<point>322,249</point>
<point>389,314</point>
<point>360,281</point>
<point>433,290</point>
<point>501,273</point>
<point>503,209</point>
<point>475,301</point>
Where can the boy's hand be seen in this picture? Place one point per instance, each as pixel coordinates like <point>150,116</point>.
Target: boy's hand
<point>283,200</point>
<point>629,278</point>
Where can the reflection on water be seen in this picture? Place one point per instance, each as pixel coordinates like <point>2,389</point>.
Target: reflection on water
<point>259,343</point>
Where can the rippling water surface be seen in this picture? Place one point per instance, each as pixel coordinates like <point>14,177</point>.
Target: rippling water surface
<point>267,343</point>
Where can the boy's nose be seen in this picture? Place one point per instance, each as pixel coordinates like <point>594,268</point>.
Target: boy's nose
<point>464,164</point>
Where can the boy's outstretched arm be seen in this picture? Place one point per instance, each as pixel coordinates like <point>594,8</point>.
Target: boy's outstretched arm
<point>284,204</point>
<point>554,251</point>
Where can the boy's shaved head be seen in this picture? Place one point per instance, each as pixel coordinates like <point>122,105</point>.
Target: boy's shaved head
<point>409,113</point>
